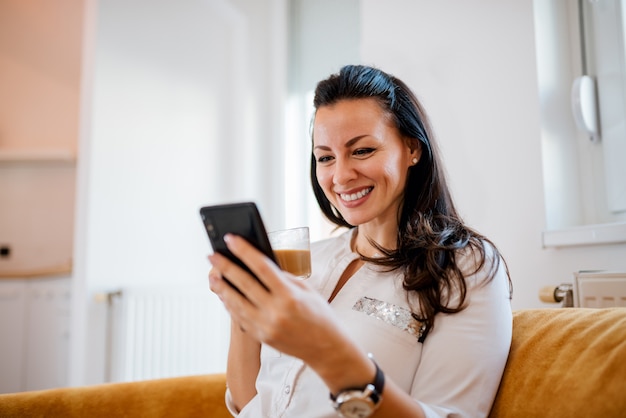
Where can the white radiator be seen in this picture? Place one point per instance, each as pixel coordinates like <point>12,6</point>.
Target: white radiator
<point>165,332</point>
<point>599,289</point>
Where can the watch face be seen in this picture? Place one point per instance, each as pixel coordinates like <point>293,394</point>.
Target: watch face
<point>356,408</point>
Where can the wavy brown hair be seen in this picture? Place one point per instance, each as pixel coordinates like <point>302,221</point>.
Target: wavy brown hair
<point>431,234</point>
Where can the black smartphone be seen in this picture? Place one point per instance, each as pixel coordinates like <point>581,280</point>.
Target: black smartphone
<point>241,219</point>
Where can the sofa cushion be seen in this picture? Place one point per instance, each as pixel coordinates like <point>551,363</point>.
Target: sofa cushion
<point>566,362</point>
<point>182,397</point>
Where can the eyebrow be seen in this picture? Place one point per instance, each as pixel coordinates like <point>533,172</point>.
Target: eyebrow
<point>347,144</point>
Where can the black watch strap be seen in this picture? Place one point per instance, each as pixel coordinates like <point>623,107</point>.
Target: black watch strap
<point>378,384</point>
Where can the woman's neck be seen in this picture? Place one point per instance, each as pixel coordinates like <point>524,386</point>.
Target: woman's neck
<point>384,236</point>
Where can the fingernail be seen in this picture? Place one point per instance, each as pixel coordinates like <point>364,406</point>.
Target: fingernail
<point>213,278</point>
<point>228,238</point>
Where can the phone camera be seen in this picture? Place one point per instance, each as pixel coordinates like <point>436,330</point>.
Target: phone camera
<point>211,230</point>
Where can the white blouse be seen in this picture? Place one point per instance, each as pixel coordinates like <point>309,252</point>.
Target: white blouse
<point>454,372</point>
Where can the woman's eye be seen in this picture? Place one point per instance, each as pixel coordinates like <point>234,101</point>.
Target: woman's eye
<point>363,151</point>
<point>324,159</point>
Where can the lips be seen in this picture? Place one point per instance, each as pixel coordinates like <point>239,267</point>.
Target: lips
<point>350,197</point>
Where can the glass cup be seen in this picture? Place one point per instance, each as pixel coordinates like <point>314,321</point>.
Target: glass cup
<point>292,250</point>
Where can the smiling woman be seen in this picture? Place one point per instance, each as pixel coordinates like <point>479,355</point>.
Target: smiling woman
<point>378,327</point>
<point>362,161</point>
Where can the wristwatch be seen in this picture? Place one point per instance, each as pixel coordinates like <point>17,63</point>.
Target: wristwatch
<point>360,402</point>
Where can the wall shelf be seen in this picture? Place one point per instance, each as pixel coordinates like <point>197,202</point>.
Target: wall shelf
<point>37,155</point>
<point>64,269</point>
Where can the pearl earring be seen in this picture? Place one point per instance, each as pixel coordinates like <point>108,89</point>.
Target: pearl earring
<point>414,161</point>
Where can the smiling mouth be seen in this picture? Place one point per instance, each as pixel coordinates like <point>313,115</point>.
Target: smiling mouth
<point>349,197</point>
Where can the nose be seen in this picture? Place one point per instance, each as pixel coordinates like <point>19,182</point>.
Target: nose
<point>344,172</point>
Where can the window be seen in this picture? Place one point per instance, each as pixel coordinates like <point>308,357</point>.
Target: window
<point>585,190</point>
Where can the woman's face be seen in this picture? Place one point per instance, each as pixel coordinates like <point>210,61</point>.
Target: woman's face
<point>362,161</point>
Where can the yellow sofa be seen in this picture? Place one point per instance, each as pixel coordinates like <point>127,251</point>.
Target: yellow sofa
<point>563,363</point>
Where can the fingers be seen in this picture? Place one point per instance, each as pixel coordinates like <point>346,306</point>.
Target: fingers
<point>254,295</point>
<point>238,306</point>
<point>234,279</point>
<point>265,269</point>
<point>224,290</point>
<point>267,272</point>
<point>216,282</point>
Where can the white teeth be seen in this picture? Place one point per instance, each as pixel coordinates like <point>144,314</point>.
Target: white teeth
<point>355,196</point>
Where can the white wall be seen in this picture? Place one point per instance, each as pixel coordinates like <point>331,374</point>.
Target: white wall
<point>183,106</point>
<point>176,123</point>
<point>324,35</point>
<point>473,65</point>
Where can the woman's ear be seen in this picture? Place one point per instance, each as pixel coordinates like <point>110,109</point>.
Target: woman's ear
<point>416,152</point>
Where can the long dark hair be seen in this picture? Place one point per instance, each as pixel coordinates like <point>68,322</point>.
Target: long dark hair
<point>430,233</point>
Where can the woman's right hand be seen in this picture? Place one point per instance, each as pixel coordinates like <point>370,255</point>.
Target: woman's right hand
<point>277,309</point>
<point>286,314</point>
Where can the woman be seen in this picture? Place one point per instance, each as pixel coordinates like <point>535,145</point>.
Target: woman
<point>406,314</point>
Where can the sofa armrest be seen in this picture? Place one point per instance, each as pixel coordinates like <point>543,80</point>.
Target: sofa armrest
<point>192,396</point>
<point>568,362</point>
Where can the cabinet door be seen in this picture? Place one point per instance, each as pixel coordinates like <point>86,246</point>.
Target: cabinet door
<point>47,333</point>
<point>12,330</point>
